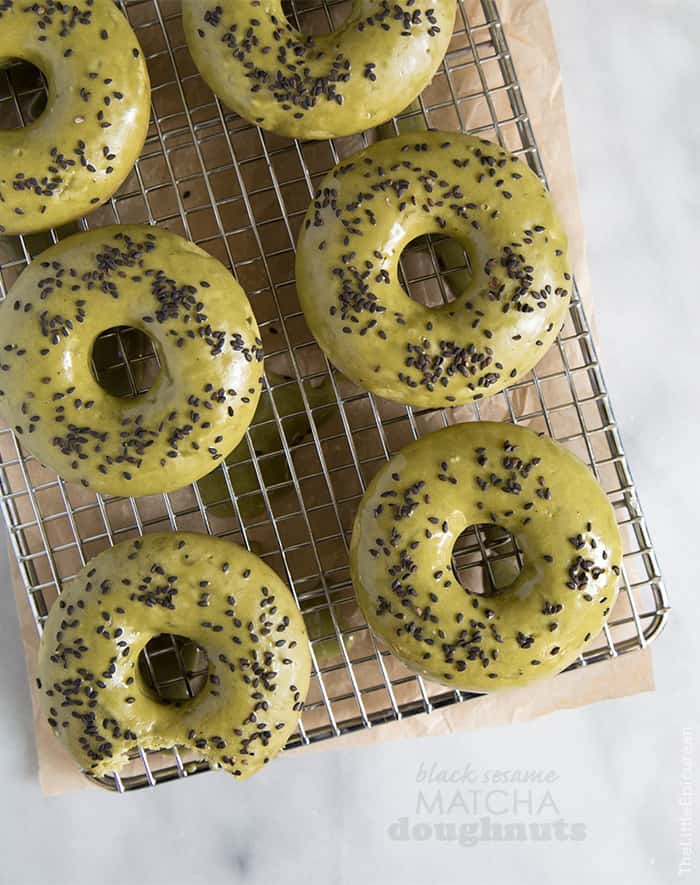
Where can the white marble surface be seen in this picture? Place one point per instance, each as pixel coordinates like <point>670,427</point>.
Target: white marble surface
<point>631,71</point>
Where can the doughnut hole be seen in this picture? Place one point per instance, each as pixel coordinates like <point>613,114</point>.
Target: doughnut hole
<point>173,668</point>
<point>486,559</point>
<point>434,269</point>
<point>125,361</point>
<point>23,94</point>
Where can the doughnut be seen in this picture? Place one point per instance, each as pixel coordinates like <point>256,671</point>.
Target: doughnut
<point>84,144</point>
<point>371,206</point>
<point>215,593</point>
<point>485,473</point>
<point>205,336</point>
<point>358,76</point>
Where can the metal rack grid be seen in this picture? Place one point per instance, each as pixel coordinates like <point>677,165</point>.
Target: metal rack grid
<point>241,194</point>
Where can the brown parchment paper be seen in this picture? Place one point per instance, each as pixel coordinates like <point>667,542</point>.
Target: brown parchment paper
<point>531,41</point>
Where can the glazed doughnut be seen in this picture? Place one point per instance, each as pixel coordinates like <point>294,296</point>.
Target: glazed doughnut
<point>381,57</point>
<point>371,206</point>
<point>215,593</point>
<point>203,330</point>
<point>485,473</point>
<point>84,144</point>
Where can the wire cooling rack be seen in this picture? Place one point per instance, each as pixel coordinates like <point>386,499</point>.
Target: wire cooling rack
<point>291,491</point>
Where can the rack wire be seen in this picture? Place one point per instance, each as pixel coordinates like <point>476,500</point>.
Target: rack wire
<point>291,492</point>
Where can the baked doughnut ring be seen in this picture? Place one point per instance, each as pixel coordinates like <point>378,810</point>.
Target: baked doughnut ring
<point>215,593</point>
<point>468,474</point>
<point>371,206</point>
<point>204,333</point>
<point>381,57</point>
<point>82,147</point>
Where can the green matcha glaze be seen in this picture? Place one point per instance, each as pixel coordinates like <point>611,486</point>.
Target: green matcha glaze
<point>204,332</point>
<point>219,595</point>
<point>265,437</point>
<point>84,144</point>
<point>371,206</point>
<point>412,514</point>
<point>370,68</point>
